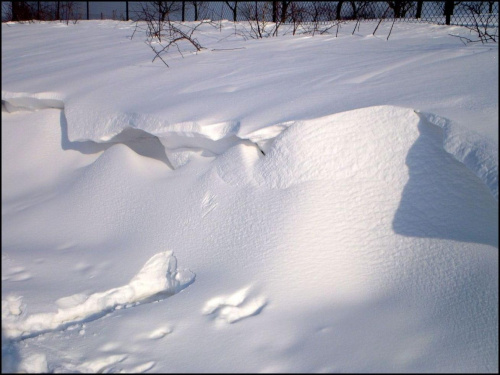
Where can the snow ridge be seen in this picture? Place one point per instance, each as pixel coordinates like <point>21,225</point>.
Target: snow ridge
<point>158,279</point>
<point>182,141</point>
<point>15,101</point>
<point>476,152</point>
<point>187,140</point>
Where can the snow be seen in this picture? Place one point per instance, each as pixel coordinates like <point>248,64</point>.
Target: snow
<point>290,204</point>
<point>158,279</point>
<point>476,152</point>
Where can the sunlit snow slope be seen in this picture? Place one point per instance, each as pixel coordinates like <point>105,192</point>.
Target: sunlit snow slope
<point>244,226</point>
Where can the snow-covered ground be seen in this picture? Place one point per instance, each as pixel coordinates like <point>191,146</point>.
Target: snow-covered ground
<point>289,204</point>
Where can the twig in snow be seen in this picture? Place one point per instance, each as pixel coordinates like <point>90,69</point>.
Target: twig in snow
<point>391,29</point>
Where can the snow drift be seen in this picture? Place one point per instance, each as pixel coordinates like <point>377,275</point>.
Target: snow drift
<point>370,184</point>
<point>184,140</point>
<point>330,226</point>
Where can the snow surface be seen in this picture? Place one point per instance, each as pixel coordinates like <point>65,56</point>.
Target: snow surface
<point>291,204</point>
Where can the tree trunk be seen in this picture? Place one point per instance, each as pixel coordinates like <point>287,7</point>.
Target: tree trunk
<point>15,10</point>
<point>284,9</point>
<point>448,10</point>
<point>419,9</point>
<point>397,9</point>
<point>339,8</point>
<point>354,9</point>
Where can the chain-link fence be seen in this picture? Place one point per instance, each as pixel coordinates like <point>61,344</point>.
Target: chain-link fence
<point>439,12</point>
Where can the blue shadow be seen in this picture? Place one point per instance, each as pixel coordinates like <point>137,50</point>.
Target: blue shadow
<point>443,198</point>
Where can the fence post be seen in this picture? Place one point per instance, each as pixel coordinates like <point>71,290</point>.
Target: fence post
<point>88,13</point>
<point>183,11</point>
<point>126,11</point>
<point>448,10</point>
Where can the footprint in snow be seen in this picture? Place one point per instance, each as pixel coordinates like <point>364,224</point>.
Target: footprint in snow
<point>160,333</point>
<point>235,307</point>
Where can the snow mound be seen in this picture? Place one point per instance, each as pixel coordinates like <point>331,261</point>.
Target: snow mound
<point>159,278</point>
<point>322,149</point>
<point>383,152</point>
<point>319,149</point>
